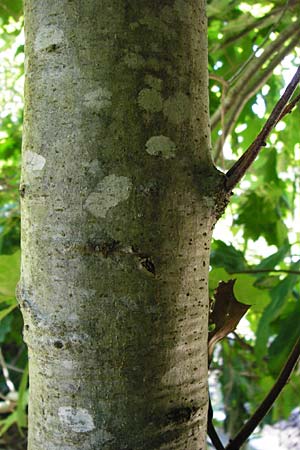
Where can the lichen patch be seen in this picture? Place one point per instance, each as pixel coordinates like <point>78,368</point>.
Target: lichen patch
<point>150,100</point>
<point>109,193</point>
<point>34,163</point>
<point>161,146</point>
<point>48,38</point>
<point>177,108</point>
<point>78,420</point>
<point>97,99</point>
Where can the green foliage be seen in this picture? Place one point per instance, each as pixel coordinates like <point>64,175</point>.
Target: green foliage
<point>19,415</point>
<point>227,256</point>
<point>261,248</point>
<point>12,347</point>
<point>10,9</point>
<point>280,294</point>
<point>9,275</point>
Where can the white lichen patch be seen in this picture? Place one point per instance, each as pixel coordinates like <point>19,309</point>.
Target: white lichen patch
<point>150,100</point>
<point>48,38</point>
<point>67,364</point>
<point>177,108</point>
<point>97,99</point>
<point>109,193</point>
<point>78,420</point>
<point>34,163</point>
<point>161,146</point>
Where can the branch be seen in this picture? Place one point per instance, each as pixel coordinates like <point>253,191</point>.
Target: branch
<point>252,56</point>
<point>251,71</point>
<point>261,23</point>
<point>248,90</point>
<point>212,433</point>
<point>5,372</point>
<point>288,109</point>
<point>264,407</point>
<point>238,170</point>
<point>242,343</point>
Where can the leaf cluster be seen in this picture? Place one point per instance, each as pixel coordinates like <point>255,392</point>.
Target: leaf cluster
<point>13,354</point>
<point>253,45</point>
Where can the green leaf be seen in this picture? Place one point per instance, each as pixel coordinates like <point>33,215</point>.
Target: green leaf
<point>247,293</point>
<point>5,327</point>
<point>5,424</point>
<point>22,400</point>
<point>271,261</point>
<point>9,274</point>
<point>5,312</point>
<point>267,167</point>
<point>279,295</point>
<point>223,255</point>
<point>289,331</point>
<point>261,215</point>
<point>10,8</point>
<point>217,275</point>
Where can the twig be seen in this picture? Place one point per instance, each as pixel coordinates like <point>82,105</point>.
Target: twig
<point>289,107</point>
<point>252,56</point>
<point>220,80</point>
<point>211,431</point>
<point>272,49</point>
<point>246,92</point>
<point>261,23</point>
<point>242,342</point>
<point>225,86</point>
<point>8,381</point>
<point>264,407</point>
<point>238,170</point>
<point>14,368</point>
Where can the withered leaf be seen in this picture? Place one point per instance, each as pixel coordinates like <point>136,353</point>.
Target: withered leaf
<point>226,314</point>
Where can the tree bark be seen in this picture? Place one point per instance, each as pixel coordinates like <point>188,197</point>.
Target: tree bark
<point>119,198</point>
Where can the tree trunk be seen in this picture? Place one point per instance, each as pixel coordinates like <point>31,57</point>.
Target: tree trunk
<point>118,201</point>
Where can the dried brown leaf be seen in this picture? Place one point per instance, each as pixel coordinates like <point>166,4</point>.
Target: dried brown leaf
<point>226,314</point>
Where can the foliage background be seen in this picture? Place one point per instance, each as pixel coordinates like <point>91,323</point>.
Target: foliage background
<point>254,47</point>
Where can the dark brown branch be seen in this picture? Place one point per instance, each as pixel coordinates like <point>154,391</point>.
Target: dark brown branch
<point>288,109</point>
<point>211,431</point>
<point>264,407</point>
<point>238,170</point>
<point>242,343</point>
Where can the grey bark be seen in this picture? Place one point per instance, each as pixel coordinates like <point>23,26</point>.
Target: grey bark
<point>118,204</point>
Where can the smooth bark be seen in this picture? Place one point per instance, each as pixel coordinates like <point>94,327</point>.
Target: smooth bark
<point>119,198</point>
